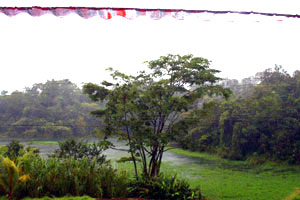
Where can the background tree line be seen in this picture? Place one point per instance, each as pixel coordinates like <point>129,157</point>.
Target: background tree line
<point>262,118</point>
<point>55,109</point>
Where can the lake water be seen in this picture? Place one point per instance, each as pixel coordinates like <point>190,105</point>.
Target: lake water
<point>45,150</point>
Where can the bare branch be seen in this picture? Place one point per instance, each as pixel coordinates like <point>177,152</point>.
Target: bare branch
<point>170,148</point>
<point>119,149</point>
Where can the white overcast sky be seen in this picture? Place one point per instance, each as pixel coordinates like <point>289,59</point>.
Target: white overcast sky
<point>37,49</point>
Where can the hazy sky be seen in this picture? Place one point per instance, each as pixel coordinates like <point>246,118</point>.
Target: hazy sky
<point>37,49</point>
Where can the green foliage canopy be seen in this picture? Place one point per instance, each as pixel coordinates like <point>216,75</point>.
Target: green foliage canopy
<point>55,109</point>
<point>150,109</point>
<point>261,119</point>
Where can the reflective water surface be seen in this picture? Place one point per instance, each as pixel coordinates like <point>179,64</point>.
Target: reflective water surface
<point>45,150</point>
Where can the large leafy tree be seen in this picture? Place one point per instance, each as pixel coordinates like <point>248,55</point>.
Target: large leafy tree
<point>150,109</point>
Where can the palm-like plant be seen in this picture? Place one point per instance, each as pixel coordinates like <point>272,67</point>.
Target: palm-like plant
<point>10,175</point>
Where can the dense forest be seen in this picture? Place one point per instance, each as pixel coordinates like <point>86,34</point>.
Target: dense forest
<point>55,109</point>
<point>261,119</point>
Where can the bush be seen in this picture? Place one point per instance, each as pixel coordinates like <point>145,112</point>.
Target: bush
<point>14,149</point>
<point>79,150</point>
<point>114,183</point>
<point>163,187</point>
<point>60,177</point>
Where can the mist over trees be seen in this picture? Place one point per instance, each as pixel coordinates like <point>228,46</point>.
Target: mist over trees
<point>262,118</point>
<point>55,109</point>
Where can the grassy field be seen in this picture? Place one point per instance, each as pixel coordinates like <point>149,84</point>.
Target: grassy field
<point>235,180</point>
<point>223,179</point>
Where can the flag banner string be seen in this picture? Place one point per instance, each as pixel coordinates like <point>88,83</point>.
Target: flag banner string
<point>132,13</point>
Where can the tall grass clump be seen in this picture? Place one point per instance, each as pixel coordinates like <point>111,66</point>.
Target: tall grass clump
<point>69,176</point>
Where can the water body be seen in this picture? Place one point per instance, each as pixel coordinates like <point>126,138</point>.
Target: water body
<point>172,158</point>
<point>45,150</point>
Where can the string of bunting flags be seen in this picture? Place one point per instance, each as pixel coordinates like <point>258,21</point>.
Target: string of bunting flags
<point>132,13</point>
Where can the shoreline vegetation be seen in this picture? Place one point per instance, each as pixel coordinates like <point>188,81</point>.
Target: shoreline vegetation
<point>78,169</point>
<point>221,178</point>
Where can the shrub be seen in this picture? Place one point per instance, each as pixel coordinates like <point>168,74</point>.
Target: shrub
<point>60,177</point>
<point>163,187</point>
<point>14,149</point>
<point>78,150</point>
<point>114,183</point>
<point>10,176</point>
<point>57,177</point>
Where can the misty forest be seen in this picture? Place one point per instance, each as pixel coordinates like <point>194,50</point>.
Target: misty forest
<point>174,131</point>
